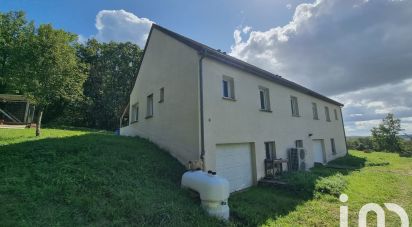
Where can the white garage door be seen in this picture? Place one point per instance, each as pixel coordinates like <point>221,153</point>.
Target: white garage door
<point>318,151</point>
<point>234,162</point>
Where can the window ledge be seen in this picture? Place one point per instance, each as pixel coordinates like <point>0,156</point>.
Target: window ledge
<point>295,115</point>
<point>228,98</point>
<point>149,116</point>
<point>267,111</point>
<point>133,122</point>
<point>160,101</point>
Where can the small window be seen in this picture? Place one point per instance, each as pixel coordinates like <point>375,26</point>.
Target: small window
<point>294,106</point>
<point>149,112</point>
<point>162,95</point>
<point>228,87</point>
<point>327,113</point>
<point>135,112</point>
<point>299,143</point>
<point>332,143</point>
<point>315,111</point>
<point>270,148</point>
<point>264,99</point>
<point>336,114</point>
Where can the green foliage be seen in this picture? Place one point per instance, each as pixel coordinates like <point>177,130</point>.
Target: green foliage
<point>349,160</point>
<point>70,178</point>
<point>113,68</point>
<point>40,63</point>
<point>274,206</point>
<point>85,178</point>
<point>333,185</point>
<point>406,148</point>
<point>386,135</point>
<point>16,50</point>
<point>301,182</point>
<point>57,74</point>
<point>50,67</point>
<point>360,143</point>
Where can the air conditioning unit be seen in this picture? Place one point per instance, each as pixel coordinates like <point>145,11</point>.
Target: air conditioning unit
<point>293,158</point>
<point>302,156</point>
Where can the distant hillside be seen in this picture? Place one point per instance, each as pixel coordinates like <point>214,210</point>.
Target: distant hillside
<point>407,136</point>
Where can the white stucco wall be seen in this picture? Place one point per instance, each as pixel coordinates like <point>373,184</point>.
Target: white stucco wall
<point>175,124</point>
<point>241,121</point>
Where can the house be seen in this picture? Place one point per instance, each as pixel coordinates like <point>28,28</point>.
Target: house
<point>200,103</point>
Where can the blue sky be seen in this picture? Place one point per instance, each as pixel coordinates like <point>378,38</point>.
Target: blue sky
<point>211,22</point>
<point>358,52</point>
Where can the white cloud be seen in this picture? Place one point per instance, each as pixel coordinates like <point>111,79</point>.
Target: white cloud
<point>335,47</point>
<point>371,104</point>
<point>358,51</point>
<point>81,39</point>
<point>246,29</point>
<point>289,6</point>
<point>122,26</point>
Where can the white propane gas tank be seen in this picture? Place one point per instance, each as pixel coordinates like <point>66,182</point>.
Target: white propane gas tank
<point>213,191</point>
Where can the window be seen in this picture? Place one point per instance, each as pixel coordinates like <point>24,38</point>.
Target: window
<point>299,143</point>
<point>332,143</point>
<point>162,95</point>
<point>327,113</point>
<point>149,112</point>
<point>135,112</point>
<point>295,106</point>
<point>264,99</point>
<point>336,114</point>
<point>228,87</point>
<point>270,148</point>
<point>315,111</point>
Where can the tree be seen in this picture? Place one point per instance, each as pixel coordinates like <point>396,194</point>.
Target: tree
<point>16,37</point>
<point>57,74</point>
<point>113,68</point>
<point>385,136</point>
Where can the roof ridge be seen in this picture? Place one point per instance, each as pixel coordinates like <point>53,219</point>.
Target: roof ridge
<point>228,59</point>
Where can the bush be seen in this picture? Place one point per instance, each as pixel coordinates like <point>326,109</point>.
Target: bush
<point>333,185</point>
<point>301,182</point>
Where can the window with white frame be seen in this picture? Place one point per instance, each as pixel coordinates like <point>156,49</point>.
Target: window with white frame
<point>327,114</point>
<point>264,99</point>
<point>149,111</point>
<point>336,114</point>
<point>315,111</point>
<point>270,148</point>
<point>135,112</point>
<point>162,95</point>
<point>294,106</point>
<point>228,87</point>
<point>332,143</point>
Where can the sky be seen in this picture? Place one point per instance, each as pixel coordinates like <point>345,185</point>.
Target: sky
<point>358,52</point>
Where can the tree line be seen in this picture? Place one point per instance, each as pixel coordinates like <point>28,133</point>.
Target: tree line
<point>384,137</point>
<point>71,83</point>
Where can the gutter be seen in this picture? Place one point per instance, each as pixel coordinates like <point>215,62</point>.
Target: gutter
<point>202,54</point>
<point>344,133</point>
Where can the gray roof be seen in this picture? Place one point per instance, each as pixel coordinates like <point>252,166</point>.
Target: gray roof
<point>232,61</point>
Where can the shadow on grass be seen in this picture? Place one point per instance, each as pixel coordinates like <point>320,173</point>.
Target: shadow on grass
<point>259,204</point>
<point>94,179</point>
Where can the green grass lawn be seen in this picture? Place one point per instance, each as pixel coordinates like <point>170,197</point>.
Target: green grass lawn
<point>70,178</point>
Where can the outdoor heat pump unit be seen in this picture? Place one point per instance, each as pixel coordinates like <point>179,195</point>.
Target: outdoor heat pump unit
<point>213,191</point>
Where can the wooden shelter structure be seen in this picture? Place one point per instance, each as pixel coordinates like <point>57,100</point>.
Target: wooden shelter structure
<point>16,110</point>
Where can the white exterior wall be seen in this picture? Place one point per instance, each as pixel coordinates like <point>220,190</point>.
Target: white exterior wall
<point>175,124</point>
<point>241,121</point>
